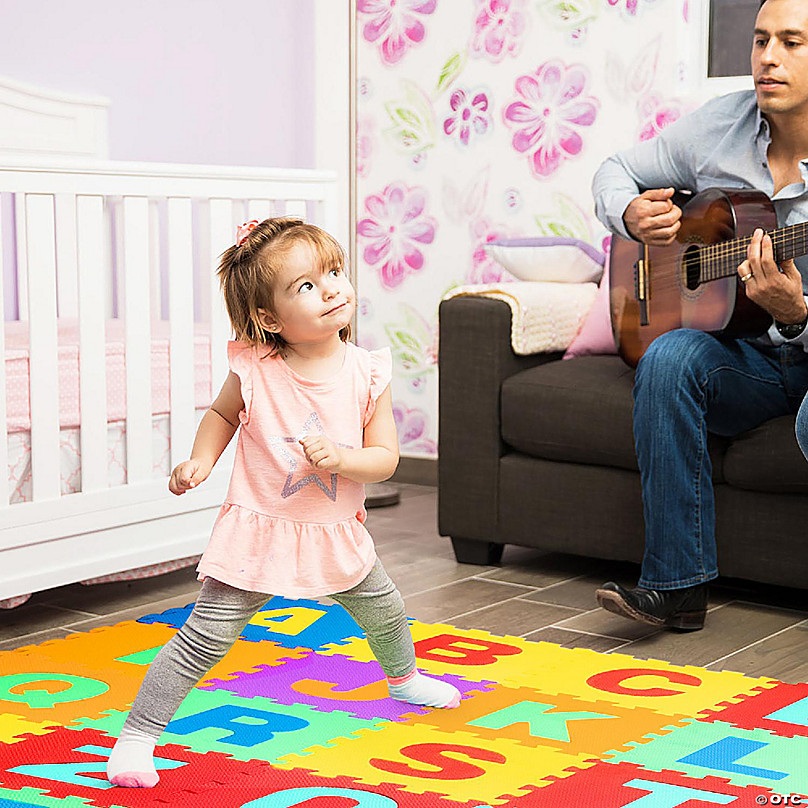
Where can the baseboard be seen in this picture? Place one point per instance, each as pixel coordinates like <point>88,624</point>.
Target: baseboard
<point>417,470</point>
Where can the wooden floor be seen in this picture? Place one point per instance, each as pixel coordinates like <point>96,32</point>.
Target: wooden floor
<point>752,629</point>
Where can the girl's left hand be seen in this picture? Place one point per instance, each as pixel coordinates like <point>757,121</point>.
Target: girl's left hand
<point>322,453</point>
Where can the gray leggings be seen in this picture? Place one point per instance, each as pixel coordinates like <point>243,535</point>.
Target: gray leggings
<point>220,615</point>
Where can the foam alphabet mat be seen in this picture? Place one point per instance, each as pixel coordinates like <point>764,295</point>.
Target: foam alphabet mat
<point>297,716</point>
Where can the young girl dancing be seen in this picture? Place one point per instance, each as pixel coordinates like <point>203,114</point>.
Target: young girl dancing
<point>316,424</point>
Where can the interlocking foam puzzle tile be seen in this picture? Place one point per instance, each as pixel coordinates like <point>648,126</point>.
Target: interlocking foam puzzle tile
<point>319,681</point>
<point>268,786</point>
<point>293,623</point>
<point>104,648</point>
<point>654,684</point>
<point>475,655</point>
<point>245,658</point>
<point>533,718</point>
<point>56,691</point>
<point>30,798</point>
<point>72,763</point>
<point>170,617</point>
<point>460,765</point>
<point>608,785</point>
<point>296,715</point>
<point>247,729</point>
<point>782,709</point>
<point>35,798</point>
<point>13,727</point>
<point>745,757</point>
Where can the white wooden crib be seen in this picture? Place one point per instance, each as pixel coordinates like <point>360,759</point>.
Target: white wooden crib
<point>114,338</point>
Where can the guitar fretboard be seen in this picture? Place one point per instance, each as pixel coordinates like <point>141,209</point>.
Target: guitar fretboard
<point>721,260</point>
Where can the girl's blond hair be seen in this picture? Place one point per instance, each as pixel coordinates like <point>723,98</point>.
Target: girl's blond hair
<point>247,271</point>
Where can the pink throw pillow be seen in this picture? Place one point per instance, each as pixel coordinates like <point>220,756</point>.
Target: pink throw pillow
<point>595,336</point>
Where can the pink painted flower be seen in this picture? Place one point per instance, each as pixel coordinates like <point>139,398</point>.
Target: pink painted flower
<point>364,308</point>
<point>631,5</point>
<point>484,269</point>
<point>656,114</point>
<point>395,25</point>
<point>397,225</point>
<point>549,114</point>
<point>498,29</point>
<point>412,426</point>
<point>469,115</point>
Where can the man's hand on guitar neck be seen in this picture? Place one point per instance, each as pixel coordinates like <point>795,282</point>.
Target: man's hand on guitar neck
<point>777,290</point>
<point>652,218</point>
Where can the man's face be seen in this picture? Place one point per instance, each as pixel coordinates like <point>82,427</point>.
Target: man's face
<point>780,57</point>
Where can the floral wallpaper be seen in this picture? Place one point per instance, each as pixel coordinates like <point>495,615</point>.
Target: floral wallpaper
<point>482,119</point>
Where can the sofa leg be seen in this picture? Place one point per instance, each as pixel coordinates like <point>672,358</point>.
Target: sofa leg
<point>470,551</point>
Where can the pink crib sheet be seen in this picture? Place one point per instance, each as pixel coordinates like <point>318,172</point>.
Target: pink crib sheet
<point>19,421</point>
<point>17,369</point>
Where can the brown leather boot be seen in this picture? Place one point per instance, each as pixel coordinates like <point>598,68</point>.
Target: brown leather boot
<point>683,609</point>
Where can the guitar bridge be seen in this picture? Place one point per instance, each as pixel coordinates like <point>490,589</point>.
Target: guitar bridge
<point>642,285</point>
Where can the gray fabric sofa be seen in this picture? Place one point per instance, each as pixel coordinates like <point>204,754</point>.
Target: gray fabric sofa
<point>539,452</point>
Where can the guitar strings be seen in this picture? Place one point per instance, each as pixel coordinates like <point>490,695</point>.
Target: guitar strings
<point>739,251</point>
<point>729,256</point>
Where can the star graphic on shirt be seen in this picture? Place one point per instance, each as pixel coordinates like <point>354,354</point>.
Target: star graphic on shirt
<point>311,426</point>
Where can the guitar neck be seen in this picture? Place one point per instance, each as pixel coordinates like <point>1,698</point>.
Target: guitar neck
<point>721,260</point>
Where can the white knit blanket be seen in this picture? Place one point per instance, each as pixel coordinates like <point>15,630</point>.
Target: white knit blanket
<point>545,316</point>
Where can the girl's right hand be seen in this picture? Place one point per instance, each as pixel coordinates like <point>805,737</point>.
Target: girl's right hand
<point>187,475</point>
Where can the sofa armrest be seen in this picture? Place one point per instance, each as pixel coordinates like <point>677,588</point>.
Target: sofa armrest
<point>474,358</point>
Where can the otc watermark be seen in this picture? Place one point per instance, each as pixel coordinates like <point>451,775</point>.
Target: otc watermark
<point>781,799</point>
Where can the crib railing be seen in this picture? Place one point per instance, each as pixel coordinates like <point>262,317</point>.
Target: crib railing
<point>136,242</point>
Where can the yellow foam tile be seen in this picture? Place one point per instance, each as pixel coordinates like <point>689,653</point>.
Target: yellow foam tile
<point>422,759</point>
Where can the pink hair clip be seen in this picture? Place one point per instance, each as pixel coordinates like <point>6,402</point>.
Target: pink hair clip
<point>243,230</point>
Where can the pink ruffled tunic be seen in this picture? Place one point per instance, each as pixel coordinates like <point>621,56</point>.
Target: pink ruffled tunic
<point>286,528</point>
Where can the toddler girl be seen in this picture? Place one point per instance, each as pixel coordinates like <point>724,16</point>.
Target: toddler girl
<point>316,424</point>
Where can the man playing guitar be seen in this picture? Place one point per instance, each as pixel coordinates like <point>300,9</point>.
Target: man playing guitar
<point>689,382</point>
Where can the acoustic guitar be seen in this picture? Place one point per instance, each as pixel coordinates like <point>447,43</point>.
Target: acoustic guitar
<point>693,282</point>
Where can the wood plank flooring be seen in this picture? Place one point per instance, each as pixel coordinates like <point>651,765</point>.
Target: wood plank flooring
<point>754,629</point>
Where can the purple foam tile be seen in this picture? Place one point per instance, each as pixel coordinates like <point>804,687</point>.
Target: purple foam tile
<point>331,683</point>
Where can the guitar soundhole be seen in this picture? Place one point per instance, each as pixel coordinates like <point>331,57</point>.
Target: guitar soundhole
<point>691,264</point>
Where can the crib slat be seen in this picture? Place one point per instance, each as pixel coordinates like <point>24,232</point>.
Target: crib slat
<point>42,341</point>
<point>181,316</point>
<point>138,338</point>
<point>154,259</point>
<point>66,271</point>
<point>259,209</point>
<point>222,236</point>
<point>4,480</point>
<point>117,285</point>
<point>92,342</point>
<point>22,258</point>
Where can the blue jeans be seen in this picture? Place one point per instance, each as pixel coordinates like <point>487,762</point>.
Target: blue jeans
<point>689,383</point>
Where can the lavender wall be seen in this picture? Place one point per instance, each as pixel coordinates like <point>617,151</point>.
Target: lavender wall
<point>192,81</point>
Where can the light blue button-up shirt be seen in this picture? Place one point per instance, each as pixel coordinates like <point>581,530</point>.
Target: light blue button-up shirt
<point>723,144</point>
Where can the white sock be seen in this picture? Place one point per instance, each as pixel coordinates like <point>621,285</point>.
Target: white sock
<point>131,763</point>
<point>416,688</point>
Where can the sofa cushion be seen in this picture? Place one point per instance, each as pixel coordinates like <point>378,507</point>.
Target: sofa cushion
<point>767,459</point>
<point>578,411</point>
